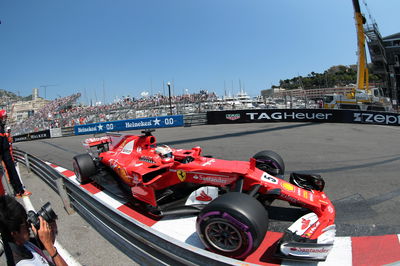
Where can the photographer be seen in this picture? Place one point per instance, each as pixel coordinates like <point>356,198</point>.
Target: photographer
<point>14,229</point>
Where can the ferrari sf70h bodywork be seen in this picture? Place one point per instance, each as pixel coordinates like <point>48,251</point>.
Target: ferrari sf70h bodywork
<point>231,198</point>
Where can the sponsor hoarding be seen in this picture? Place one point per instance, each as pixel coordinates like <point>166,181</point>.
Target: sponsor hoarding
<point>132,124</point>
<point>45,134</point>
<point>55,132</point>
<point>302,115</point>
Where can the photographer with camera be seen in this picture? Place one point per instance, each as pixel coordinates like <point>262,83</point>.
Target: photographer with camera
<point>14,228</point>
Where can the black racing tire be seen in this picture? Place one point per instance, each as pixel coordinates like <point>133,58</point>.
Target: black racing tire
<point>84,167</point>
<point>270,162</point>
<point>233,225</point>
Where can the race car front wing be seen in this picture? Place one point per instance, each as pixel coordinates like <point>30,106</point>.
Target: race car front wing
<point>294,245</point>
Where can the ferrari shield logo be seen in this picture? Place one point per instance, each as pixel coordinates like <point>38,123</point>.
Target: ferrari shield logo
<point>181,175</point>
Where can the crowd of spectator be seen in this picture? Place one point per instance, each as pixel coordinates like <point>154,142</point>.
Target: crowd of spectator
<point>44,117</point>
<point>66,112</point>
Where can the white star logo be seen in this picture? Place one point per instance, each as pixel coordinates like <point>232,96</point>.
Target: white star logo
<point>156,121</point>
<point>100,127</point>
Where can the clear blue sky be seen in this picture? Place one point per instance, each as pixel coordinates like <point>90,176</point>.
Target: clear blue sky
<point>134,46</point>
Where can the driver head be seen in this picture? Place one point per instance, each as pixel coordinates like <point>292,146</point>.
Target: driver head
<point>164,151</point>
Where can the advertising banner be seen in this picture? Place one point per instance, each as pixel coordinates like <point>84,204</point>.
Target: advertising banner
<point>131,124</point>
<point>44,134</point>
<point>302,115</point>
<point>55,132</point>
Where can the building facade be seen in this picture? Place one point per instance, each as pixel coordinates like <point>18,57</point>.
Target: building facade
<point>385,58</point>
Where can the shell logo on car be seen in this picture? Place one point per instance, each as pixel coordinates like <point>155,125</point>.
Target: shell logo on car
<point>287,186</point>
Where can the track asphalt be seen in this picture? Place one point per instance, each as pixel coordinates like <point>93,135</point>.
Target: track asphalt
<point>360,164</point>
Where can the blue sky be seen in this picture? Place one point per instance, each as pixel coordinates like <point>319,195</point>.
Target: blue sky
<point>131,46</point>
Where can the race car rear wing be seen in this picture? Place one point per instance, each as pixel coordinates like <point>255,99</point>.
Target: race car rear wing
<point>92,142</point>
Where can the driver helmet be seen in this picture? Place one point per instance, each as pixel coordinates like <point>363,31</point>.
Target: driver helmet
<point>164,151</point>
<point>8,129</point>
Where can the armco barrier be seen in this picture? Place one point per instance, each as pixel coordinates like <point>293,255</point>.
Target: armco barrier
<point>138,241</point>
<point>45,172</point>
<point>302,115</point>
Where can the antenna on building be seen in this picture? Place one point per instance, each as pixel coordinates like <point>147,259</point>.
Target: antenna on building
<point>45,88</point>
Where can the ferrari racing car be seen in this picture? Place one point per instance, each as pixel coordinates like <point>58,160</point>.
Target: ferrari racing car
<point>230,198</point>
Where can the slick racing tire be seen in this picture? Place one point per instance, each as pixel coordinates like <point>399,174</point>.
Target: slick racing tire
<point>233,225</point>
<point>270,162</point>
<point>84,167</point>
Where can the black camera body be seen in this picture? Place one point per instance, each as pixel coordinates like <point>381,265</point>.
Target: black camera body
<point>46,212</point>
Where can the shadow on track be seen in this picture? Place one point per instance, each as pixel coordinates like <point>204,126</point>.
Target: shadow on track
<point>238,134</point>
<point>364,165</point>
<point>59,147</point>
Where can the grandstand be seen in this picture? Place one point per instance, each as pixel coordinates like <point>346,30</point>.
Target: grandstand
<point>65,112</point>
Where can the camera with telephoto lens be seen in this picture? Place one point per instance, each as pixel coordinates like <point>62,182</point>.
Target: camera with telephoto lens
<point>47,214</point>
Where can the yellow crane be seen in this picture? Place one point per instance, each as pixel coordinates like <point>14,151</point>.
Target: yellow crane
<point>362,69</point>
<point>362,96</point>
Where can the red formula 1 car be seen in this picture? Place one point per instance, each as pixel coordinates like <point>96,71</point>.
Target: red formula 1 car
<point>230,198</point>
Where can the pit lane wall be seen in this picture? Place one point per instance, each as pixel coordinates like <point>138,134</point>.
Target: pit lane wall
<point>302,115</point>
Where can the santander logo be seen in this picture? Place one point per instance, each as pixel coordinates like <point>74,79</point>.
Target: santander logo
<point>203,197</point>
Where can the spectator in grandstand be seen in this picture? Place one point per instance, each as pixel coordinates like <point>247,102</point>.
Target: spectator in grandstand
<point>64,112</point>
<point>6,157</point>
<point>15,233</point>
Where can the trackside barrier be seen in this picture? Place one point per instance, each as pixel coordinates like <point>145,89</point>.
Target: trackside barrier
<point>55,132</point>
<point>131,124</point>
<point>150,122</point>
<point>44,134</point>
<point>303,115</point>
<point>138,241</point>
<point>67,131</point>
<point>38,167</point>
<point>195,119</point>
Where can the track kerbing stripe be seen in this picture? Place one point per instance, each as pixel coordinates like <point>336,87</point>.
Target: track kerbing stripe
<point>136,215</point>
<point>264,253</point>
<point>90,188</point>
<point>68,173</point>
<point>375,250</point>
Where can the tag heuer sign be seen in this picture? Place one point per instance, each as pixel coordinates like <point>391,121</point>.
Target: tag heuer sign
<point>232,116</point>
